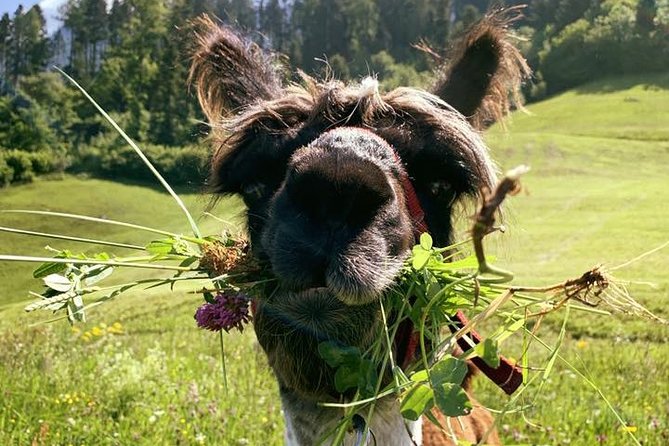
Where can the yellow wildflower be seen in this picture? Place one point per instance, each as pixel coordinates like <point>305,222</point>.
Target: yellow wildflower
<point>581,344</point>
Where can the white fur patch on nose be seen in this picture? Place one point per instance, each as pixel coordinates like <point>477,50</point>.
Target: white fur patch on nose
<point>368,87</point>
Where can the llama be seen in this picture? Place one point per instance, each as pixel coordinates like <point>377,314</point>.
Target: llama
<point>323,169</point>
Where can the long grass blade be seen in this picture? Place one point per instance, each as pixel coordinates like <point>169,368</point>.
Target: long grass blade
<point>13,258</point>
<point>159,177</point>
<point>70,238</point>
<point>594,386</point>
<point>100,220</point>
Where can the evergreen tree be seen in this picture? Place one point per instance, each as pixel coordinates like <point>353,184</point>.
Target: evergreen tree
<point>5,35</point>
<point>646,10</point>
<point>28,48</point>
<point>241,13</point>
<point>273,23</point>
<point>322,31</point>
<point>119,15</point>
<point>96,23</point>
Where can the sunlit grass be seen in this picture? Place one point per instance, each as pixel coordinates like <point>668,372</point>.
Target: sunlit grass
<point>597,197</point>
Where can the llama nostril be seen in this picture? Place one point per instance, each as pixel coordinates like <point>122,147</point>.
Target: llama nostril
<point>336,192</point>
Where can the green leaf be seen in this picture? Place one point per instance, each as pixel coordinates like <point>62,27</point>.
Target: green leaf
<point>489,352</point>
<point>433,289</point>
<point>49,268</point>
<point>346,377</point>
<point>510,327</point>
<point>209,297</point>
<point>161,247</point>
<point>466,263</point>
<point>419,376</point>
<point>75,310</point>
<point>426,241</point>
<point>189,261</point>
<point>367,378</point>
<point>454,303</point>
<point>420,258</point>
<point>336,354</point>
<point>418,400</point>
<point>452,400</point>
<point>97,273</point>
<point>446,378</point>
<point>100,256</point>
<point>58,282</point>
<point>448,370</point>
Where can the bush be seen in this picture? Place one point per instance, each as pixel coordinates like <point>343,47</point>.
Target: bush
<point>42,162</point>
<point>21,165</point>
<point>393,74</point>
<point>179,165</point>
<point>18,166</point>
<point>607,44</point>
<point>6,172</point>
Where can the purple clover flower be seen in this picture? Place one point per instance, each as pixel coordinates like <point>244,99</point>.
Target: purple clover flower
<point>230,309</point>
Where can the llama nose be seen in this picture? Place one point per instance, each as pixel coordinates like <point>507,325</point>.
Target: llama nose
<point>336,191</point>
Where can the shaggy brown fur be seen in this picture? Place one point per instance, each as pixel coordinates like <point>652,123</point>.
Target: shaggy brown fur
<point>320,166</point>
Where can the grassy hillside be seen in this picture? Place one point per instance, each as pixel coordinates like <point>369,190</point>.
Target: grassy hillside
<point>596,194</point>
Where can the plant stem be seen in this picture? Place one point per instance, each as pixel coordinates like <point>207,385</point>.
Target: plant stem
<point>105,221</point>
<point>12,258</point>
<point>225,372</point>
<point>70,238</point>
<point>159,177</point>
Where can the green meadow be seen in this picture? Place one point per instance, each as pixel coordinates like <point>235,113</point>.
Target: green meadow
<point>140,372</point>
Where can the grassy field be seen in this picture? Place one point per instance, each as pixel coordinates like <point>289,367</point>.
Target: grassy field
<point>140,372</point>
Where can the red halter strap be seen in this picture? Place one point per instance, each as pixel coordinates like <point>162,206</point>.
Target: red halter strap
<point>507,375</point>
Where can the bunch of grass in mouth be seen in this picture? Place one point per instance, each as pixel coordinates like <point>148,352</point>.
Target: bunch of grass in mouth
<point>433,285</point>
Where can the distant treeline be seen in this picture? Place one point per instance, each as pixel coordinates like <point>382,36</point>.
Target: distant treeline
<point>133,58</point>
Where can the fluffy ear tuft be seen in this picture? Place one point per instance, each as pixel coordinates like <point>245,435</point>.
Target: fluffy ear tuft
<point>483,79</point>
<point>229,72</point>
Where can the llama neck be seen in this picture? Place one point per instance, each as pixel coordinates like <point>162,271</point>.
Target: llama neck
<point>307,423</point>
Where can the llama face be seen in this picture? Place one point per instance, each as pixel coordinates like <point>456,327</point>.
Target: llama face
<point>338,219</point>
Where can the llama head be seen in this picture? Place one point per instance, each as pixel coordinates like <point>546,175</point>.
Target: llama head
<point>323,167</point>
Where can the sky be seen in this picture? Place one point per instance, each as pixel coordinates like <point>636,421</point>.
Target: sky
<point>49,7</point>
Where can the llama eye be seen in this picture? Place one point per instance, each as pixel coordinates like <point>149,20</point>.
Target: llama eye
<point>254,190</point>
<point>439,188</point>
<point>442,191</point>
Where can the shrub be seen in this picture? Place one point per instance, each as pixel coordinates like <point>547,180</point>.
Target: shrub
<point>179,165</point>
<point>42,162</point>
<point>21,165</point>
<point>6,172</point>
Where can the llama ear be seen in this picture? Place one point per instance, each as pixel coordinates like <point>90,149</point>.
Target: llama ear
<point>228,71</point>
<point>482,80</point>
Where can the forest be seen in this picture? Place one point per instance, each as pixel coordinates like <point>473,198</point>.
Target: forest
<point>133,58</point>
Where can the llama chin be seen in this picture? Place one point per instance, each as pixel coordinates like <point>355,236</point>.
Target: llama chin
<point>331,175</point>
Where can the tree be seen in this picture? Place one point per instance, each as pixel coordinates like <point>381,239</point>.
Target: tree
<point>5,35</point>
<point>96,23</point>
<point>322,29</point>
<point>119,15</point>
<point>646,10</point>
<point>241,13</point>
<point>28,48</point>
<point>273,23</point>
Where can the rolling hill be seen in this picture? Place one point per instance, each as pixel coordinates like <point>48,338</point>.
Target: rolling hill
<point>597,193</point>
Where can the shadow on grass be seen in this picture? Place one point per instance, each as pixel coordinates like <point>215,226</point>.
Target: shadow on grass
<point>649,81</point>
<point>195,187</point>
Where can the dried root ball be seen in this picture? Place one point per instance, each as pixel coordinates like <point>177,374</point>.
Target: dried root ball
<point>218,258</point>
